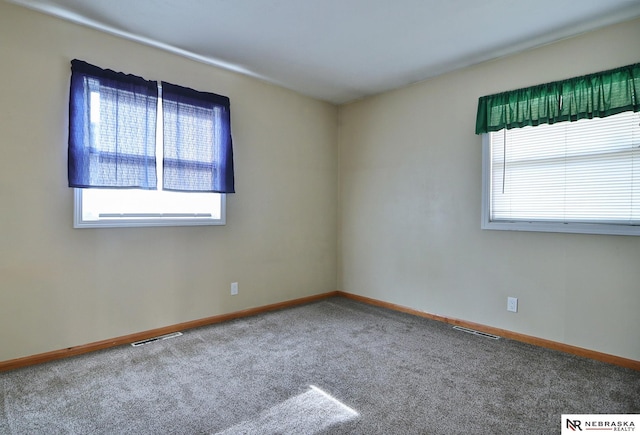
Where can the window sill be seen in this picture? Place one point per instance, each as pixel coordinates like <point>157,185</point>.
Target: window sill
<point>557,227</point>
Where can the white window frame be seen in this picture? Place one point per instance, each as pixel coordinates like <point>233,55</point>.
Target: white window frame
<point>538,226</point>
<point>149,220</point>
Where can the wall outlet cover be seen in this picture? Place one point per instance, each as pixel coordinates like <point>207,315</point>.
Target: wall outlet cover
<point>512,304</point>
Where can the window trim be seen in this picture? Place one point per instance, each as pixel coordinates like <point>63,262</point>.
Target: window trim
<point>151,221</point>
<point>538,226</point>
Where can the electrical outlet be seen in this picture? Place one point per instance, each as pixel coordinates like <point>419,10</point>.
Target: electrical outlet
<point>234,288</point>
<point>512,304</point>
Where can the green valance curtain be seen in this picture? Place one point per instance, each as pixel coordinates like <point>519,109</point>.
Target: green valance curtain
<point>595,95</point>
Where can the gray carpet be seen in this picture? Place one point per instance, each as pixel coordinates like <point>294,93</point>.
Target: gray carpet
<point>330,367</point>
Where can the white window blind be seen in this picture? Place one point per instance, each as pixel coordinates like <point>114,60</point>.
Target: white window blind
<point>570,172</point>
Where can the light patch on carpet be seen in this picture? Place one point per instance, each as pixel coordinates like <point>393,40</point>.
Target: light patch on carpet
<point>309,412</point>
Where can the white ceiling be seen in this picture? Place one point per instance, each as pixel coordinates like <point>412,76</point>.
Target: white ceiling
<point>342,50</point>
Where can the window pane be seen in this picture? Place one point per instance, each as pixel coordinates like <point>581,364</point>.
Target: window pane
<point>99,203</point>
<point>584,171</point>
<point>141,208</point>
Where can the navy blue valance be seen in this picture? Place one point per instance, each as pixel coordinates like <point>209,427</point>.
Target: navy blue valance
<point>112,129</point>
<point>198,151</point>
<point>112,134</point>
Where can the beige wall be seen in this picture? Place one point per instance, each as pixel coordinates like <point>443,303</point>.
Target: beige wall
<point>62,287</point>
<point>410,168</point>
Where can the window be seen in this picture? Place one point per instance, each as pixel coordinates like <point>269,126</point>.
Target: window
<point>565,156</point>
<point>130,170</point>
<point>579,176</point>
